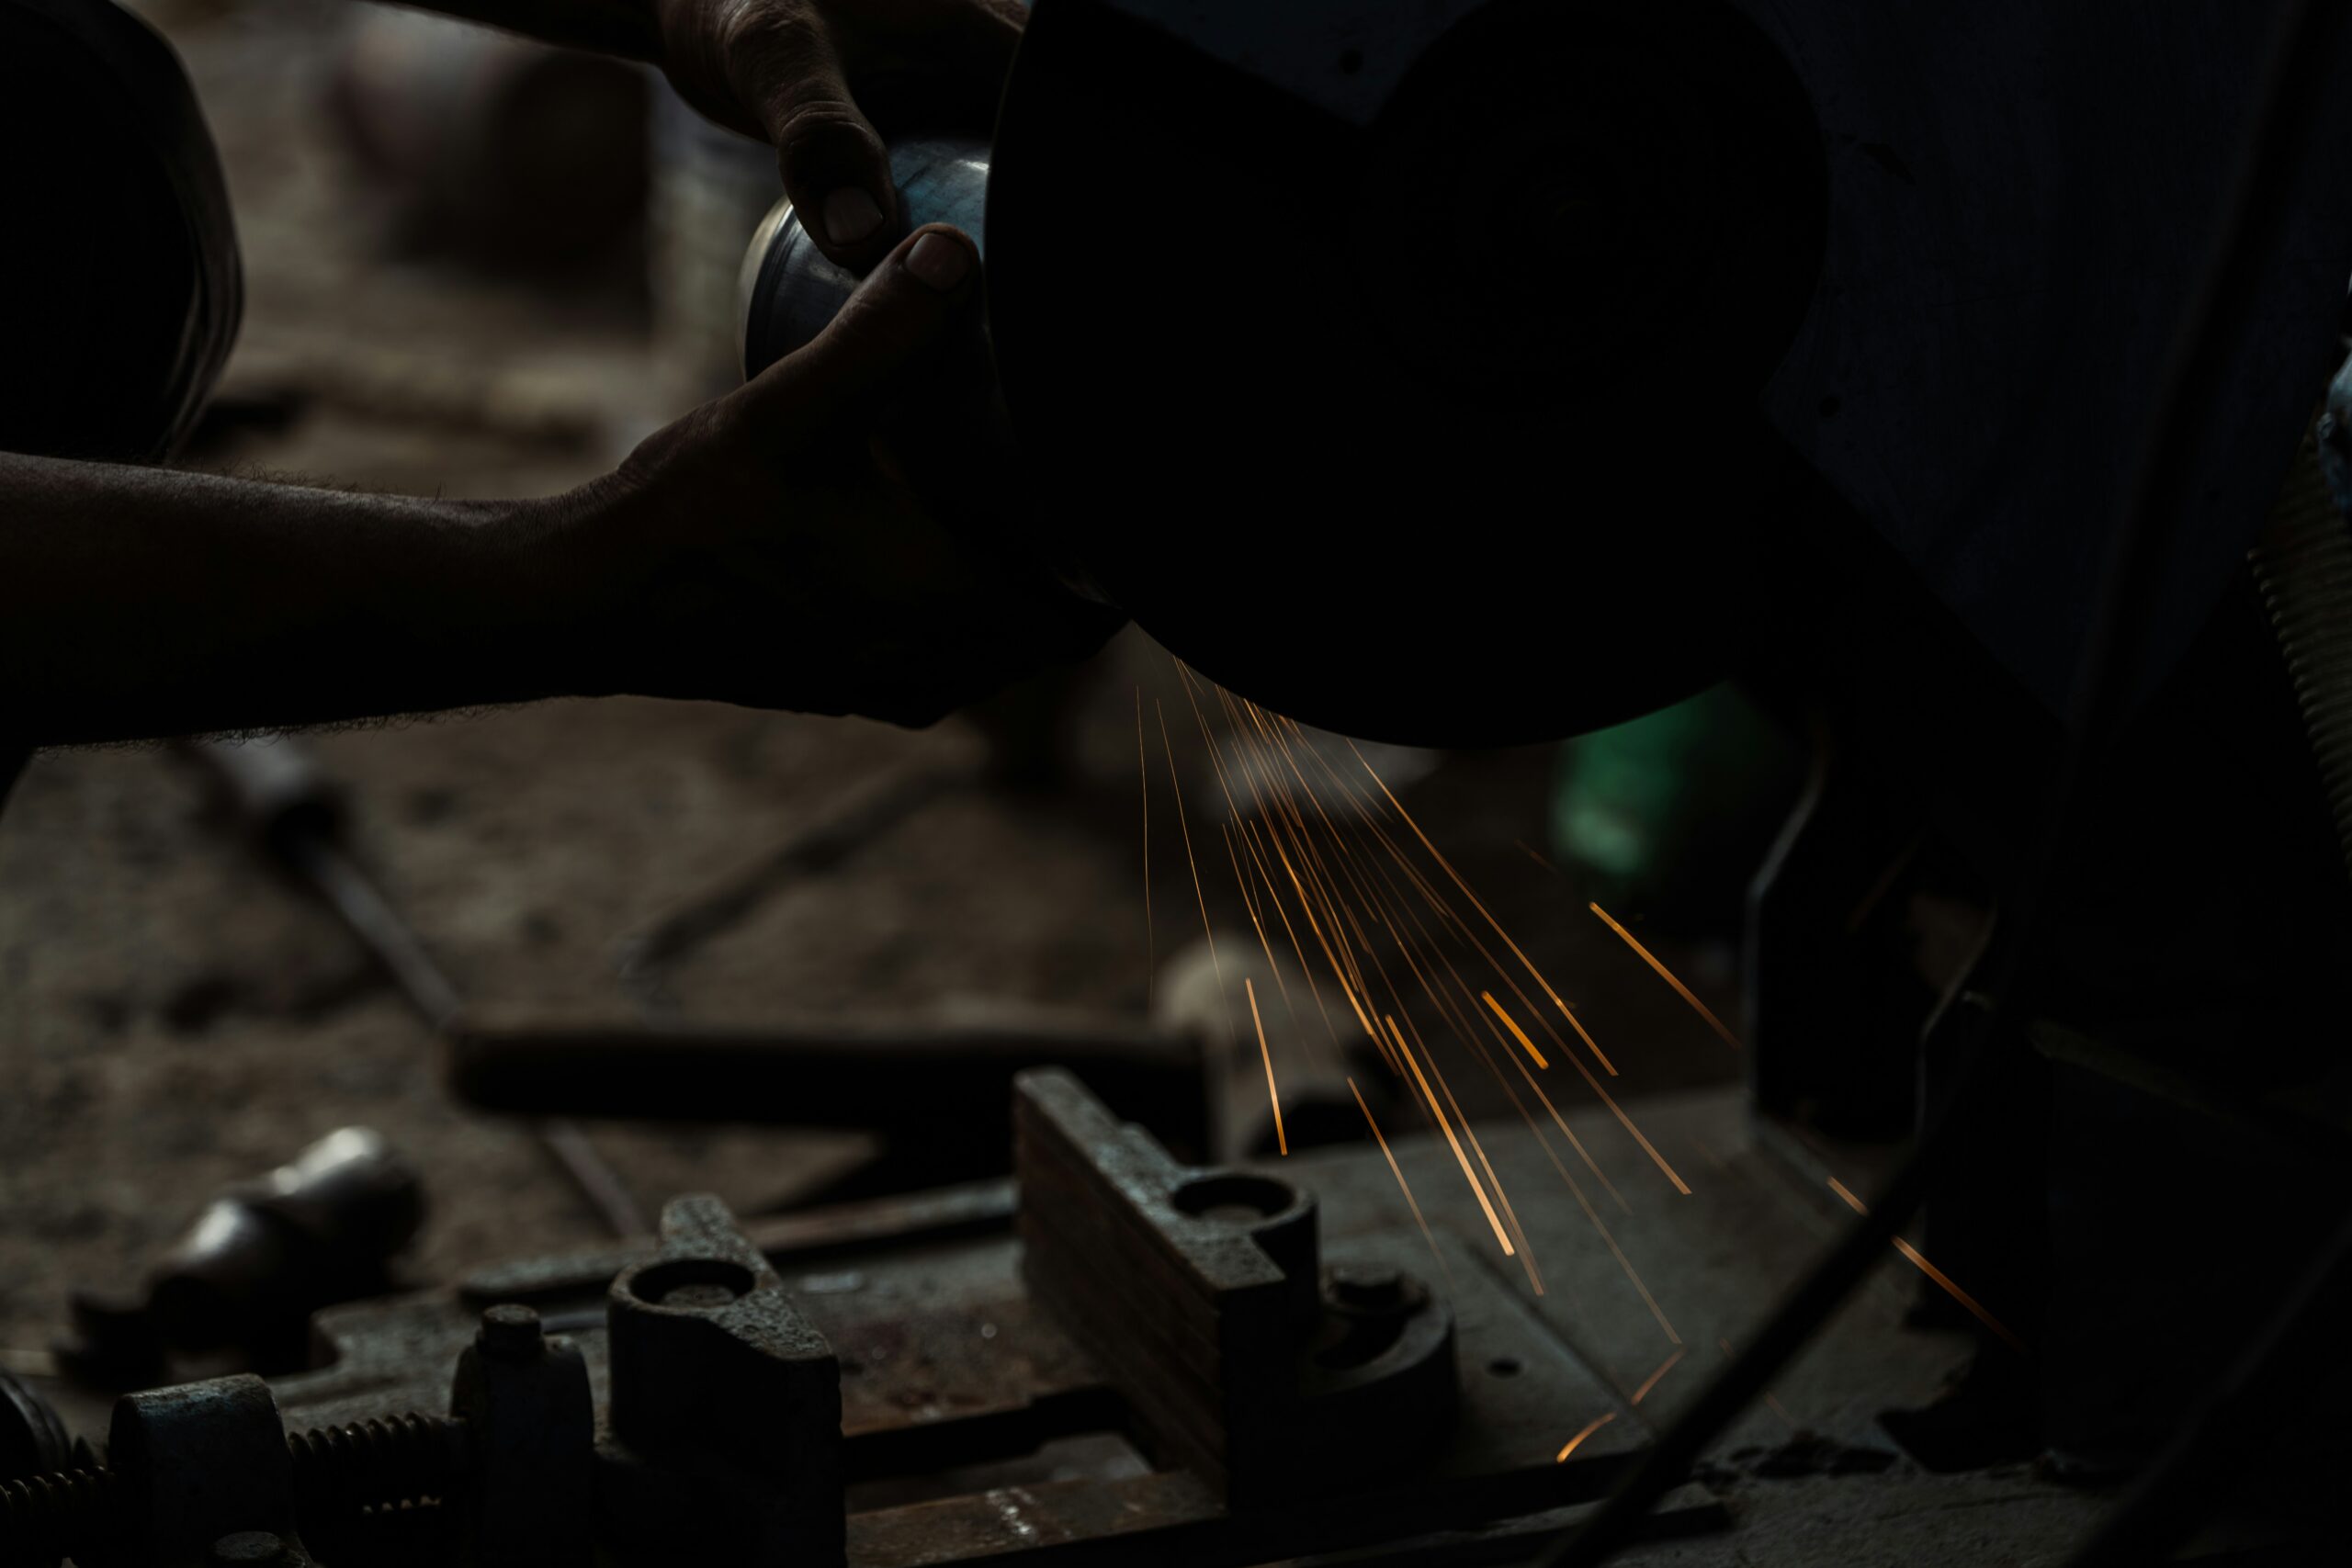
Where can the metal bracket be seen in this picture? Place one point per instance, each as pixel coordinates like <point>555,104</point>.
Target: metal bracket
<point>726,1405</point>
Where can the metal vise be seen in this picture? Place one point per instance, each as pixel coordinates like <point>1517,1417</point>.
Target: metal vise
<point>685,1401</point>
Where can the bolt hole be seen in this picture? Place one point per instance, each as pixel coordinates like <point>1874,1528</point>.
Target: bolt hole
<point>1351,62</point>
<point>1504,1366</point>
<point>693,1284</point>
<point>1233,1198</point>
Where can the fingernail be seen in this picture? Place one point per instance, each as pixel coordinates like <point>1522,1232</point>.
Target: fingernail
<point>940,259</point>
<point>850,216</point>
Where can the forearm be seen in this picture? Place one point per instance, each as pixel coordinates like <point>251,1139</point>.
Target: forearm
<point>626,27</point>
<point>141,601</point>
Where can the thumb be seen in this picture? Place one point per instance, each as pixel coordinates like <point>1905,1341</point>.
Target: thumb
<point>835,169</point>
<point>897,314</point>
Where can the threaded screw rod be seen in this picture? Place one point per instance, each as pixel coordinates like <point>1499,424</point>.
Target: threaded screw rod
<point>407,1458</point>
<point>59,1513</point>
<point>338,1470</point>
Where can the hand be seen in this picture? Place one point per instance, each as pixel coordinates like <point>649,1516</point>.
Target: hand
<point>791,70</point>
<point>773,549</point>
<point>770,549</point>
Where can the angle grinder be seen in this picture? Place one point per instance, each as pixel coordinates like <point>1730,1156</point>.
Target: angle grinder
<point>1475,371</point>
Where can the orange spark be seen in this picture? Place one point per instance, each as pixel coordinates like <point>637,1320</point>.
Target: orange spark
<point>1623,1120</point>
<point>1388,1055</point>
<point>1627,1122</point>
<point>1530,852</point>
<point>1668,975</point>
<point>1406,947</point>
<point>1402,1185</point>
<point>1575,1189</point>
<point>1447,866</point>
<point>1585,1204</point>
<point>1274,897</point>
<point>1590,1043</point>
<point>1615,1110</point>
<point>1446,914</point>
<point>1963,1297</point>
<point>1282,1142</point>
<point>1186,829</point>
<point>1447,1128</point>
<point>1510,1216</point>
<point>1216,758</point>
<point>1574,1141</point>
<point>1772,1404</point>
<point>1342,964</point>
<point>1650,1381</point>
<point>1150,942</point>
<point>1595,1425</point>
<point>1233,814</point>
<point>1338,969</point>
<point>1516,1031</point>
<point>1545,1144</point>
<point>1249,903</point>
<point>1943,1279</point>
<point>1372,953</point>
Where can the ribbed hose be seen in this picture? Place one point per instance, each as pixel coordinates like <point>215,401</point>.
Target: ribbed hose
<point>2303,567</point>
<point>338,1470</point>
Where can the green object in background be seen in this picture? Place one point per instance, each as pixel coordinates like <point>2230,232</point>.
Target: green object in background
<point>1671,814</point>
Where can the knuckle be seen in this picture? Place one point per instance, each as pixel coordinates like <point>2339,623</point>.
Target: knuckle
<point>778,56</point>
<point>768,31</point>
<point>808,124</point>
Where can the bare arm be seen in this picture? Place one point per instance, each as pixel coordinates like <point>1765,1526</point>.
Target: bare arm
<point>141,601</point>
<point>764,549</point>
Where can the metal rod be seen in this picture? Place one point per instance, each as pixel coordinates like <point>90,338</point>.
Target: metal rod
<point>297,816</point>
<point>647,959</point>
<point>360,904</point>
<point>364,911</point>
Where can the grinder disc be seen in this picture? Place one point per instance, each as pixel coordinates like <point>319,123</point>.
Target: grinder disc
<point>1436,423</point>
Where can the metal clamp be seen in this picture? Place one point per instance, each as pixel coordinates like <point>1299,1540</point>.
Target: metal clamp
<point>726,1405</point>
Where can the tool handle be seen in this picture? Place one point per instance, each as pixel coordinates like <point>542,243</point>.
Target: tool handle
<point>275,787</point>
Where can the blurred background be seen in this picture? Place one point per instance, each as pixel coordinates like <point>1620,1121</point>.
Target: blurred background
<point>478,267</point>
